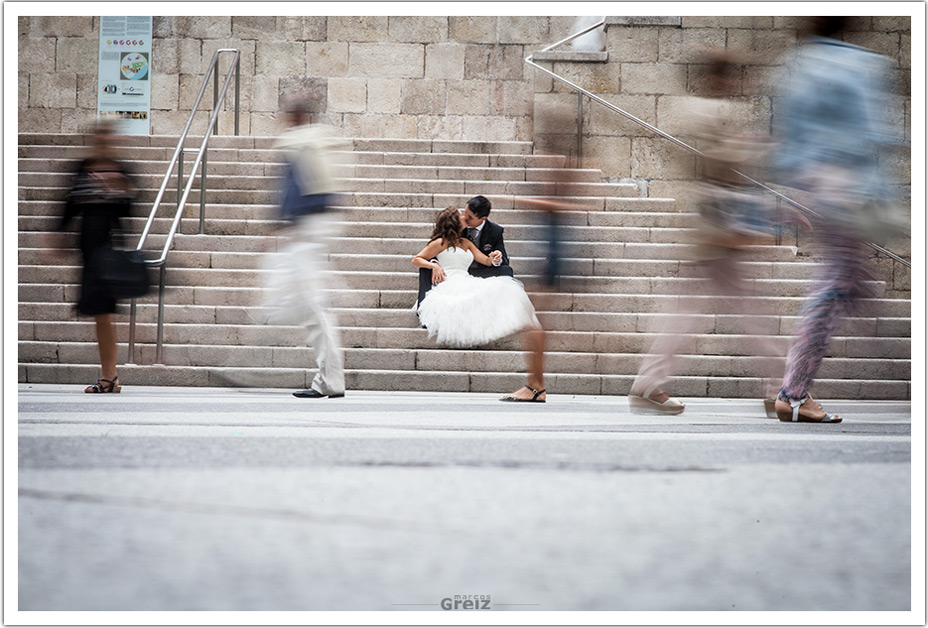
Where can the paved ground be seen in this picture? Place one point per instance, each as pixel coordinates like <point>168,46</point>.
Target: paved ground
<point>225,499</point>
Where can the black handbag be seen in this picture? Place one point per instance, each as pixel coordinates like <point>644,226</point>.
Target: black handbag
<point>122,273</point>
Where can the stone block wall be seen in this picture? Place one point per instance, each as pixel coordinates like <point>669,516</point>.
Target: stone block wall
<point>379,76</point>
<point>456,77</point>
<point>654,65</point>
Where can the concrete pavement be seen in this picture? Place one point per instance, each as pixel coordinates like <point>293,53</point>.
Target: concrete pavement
<point>245,499</point>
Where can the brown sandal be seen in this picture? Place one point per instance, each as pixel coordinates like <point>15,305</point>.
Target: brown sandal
<point>104,386</point>
<point>792,415</point>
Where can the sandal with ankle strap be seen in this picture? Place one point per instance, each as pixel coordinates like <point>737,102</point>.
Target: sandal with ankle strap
<point>534,398</point>
<point>104,386</point>
<point>792,415</point>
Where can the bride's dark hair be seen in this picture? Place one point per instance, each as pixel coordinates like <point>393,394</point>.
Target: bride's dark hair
<point>448,226</point>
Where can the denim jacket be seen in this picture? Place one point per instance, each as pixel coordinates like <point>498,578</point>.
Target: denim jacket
<point>833,115</point>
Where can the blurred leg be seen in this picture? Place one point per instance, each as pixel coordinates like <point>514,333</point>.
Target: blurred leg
<point>322,335</point>
<point>658,364</point>
<point>819,319</point>
<point>729,280</point>
<point>312,303</point>
<point>106,344</point>
<point>831,300</point>
<point>533,340</point>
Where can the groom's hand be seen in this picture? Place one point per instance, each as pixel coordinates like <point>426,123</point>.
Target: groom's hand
<point>438,274</point>
<point>496,258</point>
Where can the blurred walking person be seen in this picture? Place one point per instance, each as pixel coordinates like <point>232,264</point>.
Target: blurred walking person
<point>297,273</point>
<point>552,231</point>
<point>533,337</point>
<point>831,134</point>
<point>733,216</point>
<point>101,195</point>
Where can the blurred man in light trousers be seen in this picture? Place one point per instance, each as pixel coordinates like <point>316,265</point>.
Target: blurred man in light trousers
<point>298,271</point>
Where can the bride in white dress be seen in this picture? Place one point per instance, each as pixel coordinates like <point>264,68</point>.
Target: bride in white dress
<point>463,310</point>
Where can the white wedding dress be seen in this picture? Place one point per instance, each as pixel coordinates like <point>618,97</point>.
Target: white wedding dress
<point>468,311</point>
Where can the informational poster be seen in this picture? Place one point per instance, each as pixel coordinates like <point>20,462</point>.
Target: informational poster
<point>124,75</point>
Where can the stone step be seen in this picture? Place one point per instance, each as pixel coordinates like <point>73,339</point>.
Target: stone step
<point>508,217</point>
<point>589,267</point>
<point>417,233</point>
<point>365,178</point>
<point>221,160</point>
<point>386,244</point>
<point>455,172</point>
<point>267,142</point>
<point>148,183</point>
<point>556,302</point>
<point>436,381</point>
<point>401,263</point>
<point>399,280</point>
<point>564,321</point>
<point>526,248</point>
<point>144,172</point>
<point>460,159</point>
<point>269,211</point>
<point>711,344</point>
<point>509,358</point>
<point>127,141</point>
<point>472,187</point>
<point>443,146</point>
<point>269,196</point>
<point>666,220</point>
<point>650,211</point>
<point>155,159</point>
<point>160,154</point>
<point>146,196</point>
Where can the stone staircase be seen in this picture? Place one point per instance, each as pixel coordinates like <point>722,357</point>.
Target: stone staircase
<point>624,273</point>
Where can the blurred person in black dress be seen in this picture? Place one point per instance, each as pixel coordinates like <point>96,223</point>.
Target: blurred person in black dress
<point>101,195</point>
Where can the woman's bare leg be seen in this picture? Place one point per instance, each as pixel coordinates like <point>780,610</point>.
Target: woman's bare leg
<point>106,343</point>
<point>533,339</point>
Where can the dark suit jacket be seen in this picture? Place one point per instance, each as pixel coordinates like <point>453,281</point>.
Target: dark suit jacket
<point>491,239</point>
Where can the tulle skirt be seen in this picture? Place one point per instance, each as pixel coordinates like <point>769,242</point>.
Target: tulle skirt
<point>468,311</point>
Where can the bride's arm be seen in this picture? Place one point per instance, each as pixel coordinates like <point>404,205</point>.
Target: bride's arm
<point>478,256</point>
<point>433,248</point>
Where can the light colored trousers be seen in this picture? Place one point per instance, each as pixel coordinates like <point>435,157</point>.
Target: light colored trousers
<point>726,282</point>
<point>297,279</point>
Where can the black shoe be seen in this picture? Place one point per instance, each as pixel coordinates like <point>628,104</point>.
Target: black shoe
<point>312,393</point>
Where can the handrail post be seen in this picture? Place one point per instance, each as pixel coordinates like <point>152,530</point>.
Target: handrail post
<point>779,222</point>
<point>203,193</point>
<point>180,177</point>
<point>238,69</point>
<point>131,357</point>
<point>216,95</point>
<point>579,127</point>
<point>160,343</point>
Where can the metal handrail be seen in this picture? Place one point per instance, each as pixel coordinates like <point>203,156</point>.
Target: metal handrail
<point>583,92</point>
<point>177,159</point>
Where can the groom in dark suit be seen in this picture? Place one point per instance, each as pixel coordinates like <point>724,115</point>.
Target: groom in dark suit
<point>488,236</point>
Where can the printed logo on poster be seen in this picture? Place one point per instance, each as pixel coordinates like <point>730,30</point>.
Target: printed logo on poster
<point>134,66</point>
